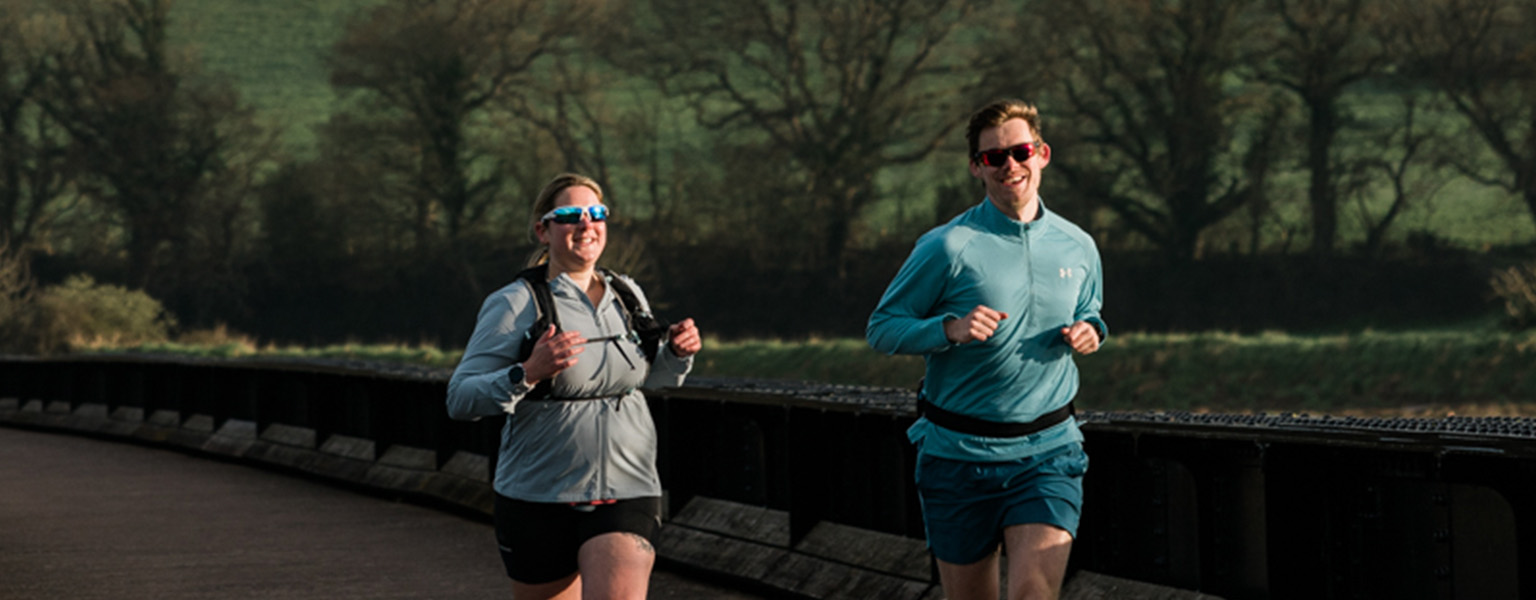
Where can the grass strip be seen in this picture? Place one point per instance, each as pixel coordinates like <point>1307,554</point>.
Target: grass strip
<point>1408,373</point>
<point>1414,373</point>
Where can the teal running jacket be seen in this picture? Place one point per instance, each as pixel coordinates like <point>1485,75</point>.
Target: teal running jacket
<point>1045,274</point>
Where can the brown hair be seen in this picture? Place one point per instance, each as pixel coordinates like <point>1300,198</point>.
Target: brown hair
<point>995,114</point>
<point>545,202</point>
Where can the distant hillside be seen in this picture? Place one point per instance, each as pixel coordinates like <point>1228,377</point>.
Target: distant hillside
<point>272,51</point>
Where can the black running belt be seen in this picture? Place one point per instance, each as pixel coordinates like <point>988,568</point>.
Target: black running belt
<point>973,426</point>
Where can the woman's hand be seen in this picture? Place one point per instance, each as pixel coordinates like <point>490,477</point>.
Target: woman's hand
<point>685,340</point>
<point>552,353</point>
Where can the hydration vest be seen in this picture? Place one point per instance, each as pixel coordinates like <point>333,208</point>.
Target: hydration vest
<point>644,327</point>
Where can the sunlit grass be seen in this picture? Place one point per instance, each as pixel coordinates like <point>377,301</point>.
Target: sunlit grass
<point>384,353</point>
<point>843,361</point>
<point>221,343</point>
<point>1419,373</point>
<point>1476,370</point>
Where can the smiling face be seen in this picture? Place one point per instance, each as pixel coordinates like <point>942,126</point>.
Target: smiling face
<point>1012,186</point>
<point>577,246</point>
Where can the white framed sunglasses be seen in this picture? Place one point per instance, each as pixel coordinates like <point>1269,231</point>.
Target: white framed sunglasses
<point>571,215</point>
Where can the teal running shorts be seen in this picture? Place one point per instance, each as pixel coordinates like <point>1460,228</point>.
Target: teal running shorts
<point>966,504</point>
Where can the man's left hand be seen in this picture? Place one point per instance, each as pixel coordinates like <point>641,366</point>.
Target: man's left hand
<point>1082,336</point>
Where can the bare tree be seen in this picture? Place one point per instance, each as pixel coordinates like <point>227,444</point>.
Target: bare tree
<point>589,115</point>
<point>151,138</point>
<point>1322,48</point>
<point>16,293</point>
<point>1151,120</point>
<point>422,76</point>
<point>32,166</point>
<point>1478,54</point>
<point>566,107</point>
<point>842,89</point>
<point>1408,157</point>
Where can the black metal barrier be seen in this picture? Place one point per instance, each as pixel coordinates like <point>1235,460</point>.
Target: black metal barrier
<point>1313,507</point>
<point>1280,506</point>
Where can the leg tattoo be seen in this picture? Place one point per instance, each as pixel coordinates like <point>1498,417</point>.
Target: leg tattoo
<point>642,543</point>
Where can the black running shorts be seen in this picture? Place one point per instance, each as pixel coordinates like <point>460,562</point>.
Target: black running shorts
<point>539,541</point>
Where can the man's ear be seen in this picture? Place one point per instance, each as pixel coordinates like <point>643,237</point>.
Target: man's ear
<point>1045,154</point>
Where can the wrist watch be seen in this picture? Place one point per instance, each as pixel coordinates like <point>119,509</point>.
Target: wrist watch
<point>517,379</point>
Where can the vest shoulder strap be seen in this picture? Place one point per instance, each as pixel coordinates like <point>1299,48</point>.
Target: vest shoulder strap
<point>543,303</point>
<point>646,325</point>
<point>537,278</point>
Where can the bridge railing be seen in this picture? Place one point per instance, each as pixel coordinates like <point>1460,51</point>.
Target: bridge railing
<point>805,486</point>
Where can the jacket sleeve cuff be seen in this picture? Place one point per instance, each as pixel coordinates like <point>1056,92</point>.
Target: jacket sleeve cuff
<point>934,338</point>
<point>1098,325</point>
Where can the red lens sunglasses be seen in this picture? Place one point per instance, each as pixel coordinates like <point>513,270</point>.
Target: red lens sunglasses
<point>999,157</point>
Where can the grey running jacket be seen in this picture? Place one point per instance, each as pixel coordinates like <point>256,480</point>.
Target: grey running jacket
<point>566,450</point>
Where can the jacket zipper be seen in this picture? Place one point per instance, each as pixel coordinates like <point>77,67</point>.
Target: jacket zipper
<point>603,442</point>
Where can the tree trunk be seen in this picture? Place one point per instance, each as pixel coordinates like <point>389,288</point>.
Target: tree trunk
<point>1529,194</point>
<point>1321,194</point>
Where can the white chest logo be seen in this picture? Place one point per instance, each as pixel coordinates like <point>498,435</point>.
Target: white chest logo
<point>1066,273</point>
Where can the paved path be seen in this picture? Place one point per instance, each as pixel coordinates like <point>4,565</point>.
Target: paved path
<point>84,519</point>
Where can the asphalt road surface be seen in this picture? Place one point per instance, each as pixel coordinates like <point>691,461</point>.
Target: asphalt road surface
<point>83,519</point>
